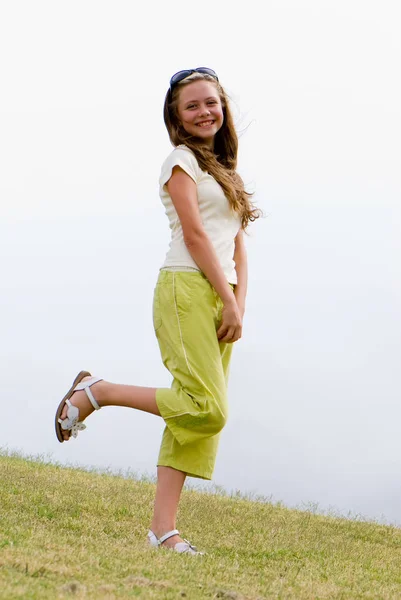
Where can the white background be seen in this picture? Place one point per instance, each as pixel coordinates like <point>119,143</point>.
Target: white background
<point>315,382</point>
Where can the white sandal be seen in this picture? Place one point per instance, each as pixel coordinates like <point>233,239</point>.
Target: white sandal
<point>71,423</point>
<point>182,547</point>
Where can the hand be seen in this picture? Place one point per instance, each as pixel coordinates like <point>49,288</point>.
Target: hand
<point>230,329</point>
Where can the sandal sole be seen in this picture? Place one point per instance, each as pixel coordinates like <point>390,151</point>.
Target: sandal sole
<point>68,395</point>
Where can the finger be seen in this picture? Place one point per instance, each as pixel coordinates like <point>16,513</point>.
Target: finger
<point>235,336</point>
<point>238,335</point>
<point>228,336</point>
<point>223,329</point>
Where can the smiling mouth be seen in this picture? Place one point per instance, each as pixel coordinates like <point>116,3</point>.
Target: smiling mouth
<point>205,123</point>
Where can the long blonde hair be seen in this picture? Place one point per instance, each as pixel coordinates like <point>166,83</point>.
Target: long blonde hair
<point>221,161</point>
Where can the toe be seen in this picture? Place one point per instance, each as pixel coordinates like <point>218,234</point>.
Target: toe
<point>76,400</point>
<point>64,412</point>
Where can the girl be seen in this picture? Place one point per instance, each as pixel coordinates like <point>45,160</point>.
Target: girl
<point>199,298</point>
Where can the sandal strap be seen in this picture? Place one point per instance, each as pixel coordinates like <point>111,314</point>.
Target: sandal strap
<point>71,423</point>
<point>168,535</point>
<point>85,385</point>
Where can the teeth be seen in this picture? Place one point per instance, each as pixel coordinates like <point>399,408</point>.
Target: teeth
<point>204,124</point>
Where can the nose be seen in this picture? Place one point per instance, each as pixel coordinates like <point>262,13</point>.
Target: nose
<point>204,111</point>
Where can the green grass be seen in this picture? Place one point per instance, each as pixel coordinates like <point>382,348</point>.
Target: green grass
<point>69,533</point>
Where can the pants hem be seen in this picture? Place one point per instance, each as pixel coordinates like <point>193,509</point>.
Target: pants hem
<point>207,476</point>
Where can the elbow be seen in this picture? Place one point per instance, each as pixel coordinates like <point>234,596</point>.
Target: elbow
<point>194,238</point>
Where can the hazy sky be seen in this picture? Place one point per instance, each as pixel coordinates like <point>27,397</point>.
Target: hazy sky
<point>315,88</point>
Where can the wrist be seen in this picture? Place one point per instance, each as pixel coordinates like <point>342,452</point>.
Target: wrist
<point>229,300</point>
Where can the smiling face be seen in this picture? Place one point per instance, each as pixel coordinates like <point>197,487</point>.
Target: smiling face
<point>200,111</point>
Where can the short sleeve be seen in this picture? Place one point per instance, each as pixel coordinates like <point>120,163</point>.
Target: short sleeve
<point>181,157</point>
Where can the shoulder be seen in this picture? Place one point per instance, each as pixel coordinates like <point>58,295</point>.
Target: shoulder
<point>183,153</point>
<point>183,157</point>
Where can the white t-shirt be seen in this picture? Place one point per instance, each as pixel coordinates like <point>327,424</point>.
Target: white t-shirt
<point>220,222</point>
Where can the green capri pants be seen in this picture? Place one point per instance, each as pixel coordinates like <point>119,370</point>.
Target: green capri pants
<point>186,316</point>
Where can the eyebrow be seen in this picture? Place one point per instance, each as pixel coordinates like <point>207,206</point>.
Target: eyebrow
<point>208,98</point>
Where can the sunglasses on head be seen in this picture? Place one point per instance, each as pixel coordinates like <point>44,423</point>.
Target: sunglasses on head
<point>177,77</point>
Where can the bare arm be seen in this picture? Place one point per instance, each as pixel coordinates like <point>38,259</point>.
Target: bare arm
<point>182,190</point>
<point>241,267</point>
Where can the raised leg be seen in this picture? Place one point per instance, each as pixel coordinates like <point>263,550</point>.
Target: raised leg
<point>113,394</point>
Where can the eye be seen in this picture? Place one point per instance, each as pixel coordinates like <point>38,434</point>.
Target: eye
<point>191,106</point>
<point>212,102</point>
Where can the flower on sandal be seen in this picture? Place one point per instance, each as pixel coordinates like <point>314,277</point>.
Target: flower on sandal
<point>71,423</point>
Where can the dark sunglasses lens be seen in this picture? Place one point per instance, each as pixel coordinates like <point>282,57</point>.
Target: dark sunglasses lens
<point>207,71</point>
<point>179,76</point>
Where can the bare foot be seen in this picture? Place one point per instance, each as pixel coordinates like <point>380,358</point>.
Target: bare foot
<point>81,401</point>
<point>170,542</point>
